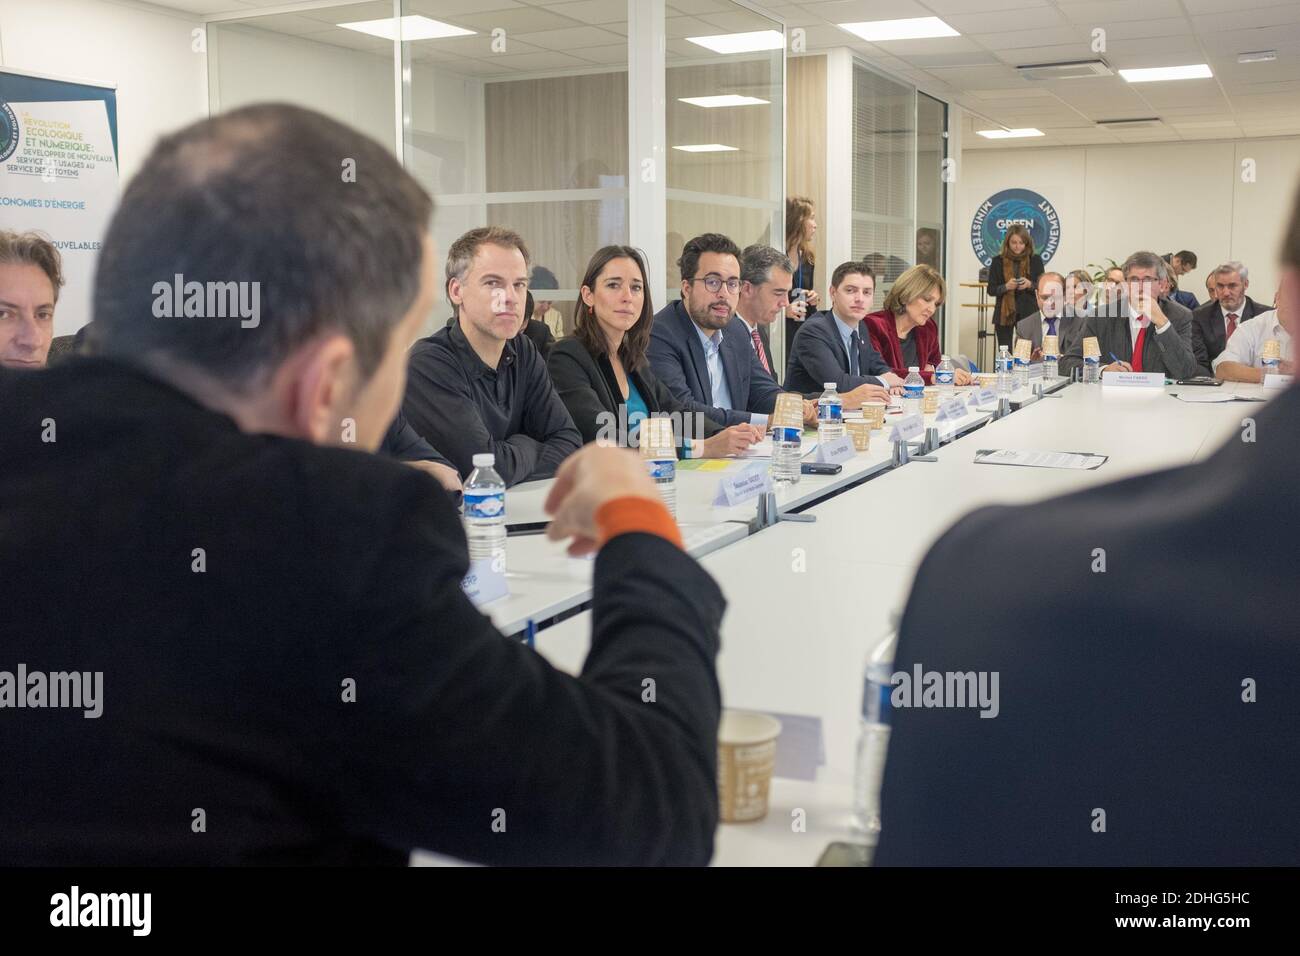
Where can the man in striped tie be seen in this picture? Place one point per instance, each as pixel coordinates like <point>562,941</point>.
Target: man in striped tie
<point>766,277</point>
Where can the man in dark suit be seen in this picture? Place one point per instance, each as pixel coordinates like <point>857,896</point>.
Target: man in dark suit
<point>1181,263</point>
<point>1142,338</point>
<point>1150,687</point>
<point>286,667</point>
<point>1214,322</point>
<point>1054,317</point>
<point>698,348</point>
<point>834,346</point>
<point>766,277</point>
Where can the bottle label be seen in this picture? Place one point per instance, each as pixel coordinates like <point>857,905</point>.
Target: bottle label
<point>914,392</point>
<point>875,702</point>
<point>787,434</point>
<point>1092,360</point>
<point>830,412</point>
<point>943,378</point>
<point>663,469</point>
<point>491,505</point>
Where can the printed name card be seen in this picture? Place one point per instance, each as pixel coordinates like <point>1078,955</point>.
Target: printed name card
<point>951,411</point>
<point>744,485</point>
<point>907,428</point>
<point>985,396</point>
<point>1277,381</point>
<point>836,452</point>
<point>1134,379</point>
<point>486,581</point>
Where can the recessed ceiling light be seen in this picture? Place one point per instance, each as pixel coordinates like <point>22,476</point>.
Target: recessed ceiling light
<point>413,28</point>
<point>1259,56</point>
<point>708,148</point>
<point>1194,71</point>
<point>725,99</point>
<point>741,42</point>
<point>915,28</point>
<point>1009,133</point>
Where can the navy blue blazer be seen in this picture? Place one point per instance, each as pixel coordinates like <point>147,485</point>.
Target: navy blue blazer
<point>677,358</point>
<point>818,357</point>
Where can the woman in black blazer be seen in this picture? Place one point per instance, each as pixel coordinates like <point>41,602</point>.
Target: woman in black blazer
<point>1013,282</point>
<point>601,372</point>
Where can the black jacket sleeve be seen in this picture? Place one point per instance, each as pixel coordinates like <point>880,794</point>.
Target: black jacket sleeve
<point>403,443</point>
<point>572,379</point>
<point>695,425</point>
<point>468,743</point>
<point>545,417</point>
<point>817,353</point>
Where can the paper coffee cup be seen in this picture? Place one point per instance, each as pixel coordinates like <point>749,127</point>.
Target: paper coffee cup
<point>873,413</point>
<point>988,379</point>
<point>1050,346</point>
<point>1091,349</point>
<point>860,432</point>
<point>656,437</point>
<point>1272,349</point>
<point>929,401</point>
<point>746,758</point>
<point>1024,349</point>
<point>788,412</point>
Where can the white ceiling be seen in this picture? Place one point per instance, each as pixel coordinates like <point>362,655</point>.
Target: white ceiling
<point>976,69</point>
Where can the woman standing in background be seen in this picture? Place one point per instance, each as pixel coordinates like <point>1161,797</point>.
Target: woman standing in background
<point>1013,282</point>
<point>800,228</point>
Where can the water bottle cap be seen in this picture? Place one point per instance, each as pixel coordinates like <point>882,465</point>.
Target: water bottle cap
<point>829,386</point>
<point>486,460</point>
<point>914,368</point>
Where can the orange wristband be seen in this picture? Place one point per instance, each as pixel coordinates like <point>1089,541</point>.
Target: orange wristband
<point>633,513</point>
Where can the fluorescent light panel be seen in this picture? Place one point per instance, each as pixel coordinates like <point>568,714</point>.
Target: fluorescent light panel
<point>707,148</point>
<point>1009,133</point>
<point>725,99</point>
<point>915,28</point>
<point>414,27</point>
<point>1193,71</point>
<point>741,42</point>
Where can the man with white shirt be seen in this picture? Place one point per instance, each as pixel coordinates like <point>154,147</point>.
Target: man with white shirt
<point>834,346</point>
<point>1214,323</point>
<point>1142,338</point>
<point>1243,358</point>
<point>704,359</point>
<point>1055,316</point>
<point>766,277</point>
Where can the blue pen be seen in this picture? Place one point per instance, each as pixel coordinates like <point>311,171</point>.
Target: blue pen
<point>530,635</point>
<point>1114,358</point>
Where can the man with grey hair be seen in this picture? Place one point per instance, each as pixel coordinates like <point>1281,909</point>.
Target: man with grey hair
<point>1214,322</point>
<point>766,277</point>
<point>1146,334</point>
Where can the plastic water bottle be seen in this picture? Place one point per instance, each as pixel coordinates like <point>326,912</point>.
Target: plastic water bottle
<point>661,461</point>
<point>943,377</point>
<point>1049,366</point>
<point>830,414</point>
<point>873,736</point>
<point>485,512</point>
<point>786,455</point>
<point>913,392</point>
<point>1271,366</point>
<point>1091,369</point>
<point>1004,371</point>
<point>1020,374</point>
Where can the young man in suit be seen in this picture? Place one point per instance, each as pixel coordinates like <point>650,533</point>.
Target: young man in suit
<point>766,277</point>
<point>1142,338</point>
<point>272,616</point>
<point>1149,684</point>
<point>480,385</point>
<point>1214,322</point>
<point>699,350</point>
<point>834,346</point>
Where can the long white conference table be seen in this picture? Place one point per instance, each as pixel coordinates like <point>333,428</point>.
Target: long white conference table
<point>807,602</point>
<point>546,584</point>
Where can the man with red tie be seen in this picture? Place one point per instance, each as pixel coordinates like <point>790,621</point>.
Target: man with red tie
<point>1142,338</point>
<point>1214,322</point>
<point>766,277</point>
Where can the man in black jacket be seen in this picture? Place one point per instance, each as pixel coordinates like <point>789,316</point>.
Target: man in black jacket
<point>1149,686</point>
<point>272,630</point>
<point>1214,322</point>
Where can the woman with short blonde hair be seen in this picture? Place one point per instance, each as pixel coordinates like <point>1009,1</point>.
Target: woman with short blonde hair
<point>903,332</point>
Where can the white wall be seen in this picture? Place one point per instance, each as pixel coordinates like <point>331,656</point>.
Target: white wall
<point>1114,200</point>
<point>144,50</point>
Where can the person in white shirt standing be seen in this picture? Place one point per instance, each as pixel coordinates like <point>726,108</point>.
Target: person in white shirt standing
<point>1242,359</point>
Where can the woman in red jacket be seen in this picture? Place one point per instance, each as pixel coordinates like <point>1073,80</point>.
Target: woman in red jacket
<point>904,333</point>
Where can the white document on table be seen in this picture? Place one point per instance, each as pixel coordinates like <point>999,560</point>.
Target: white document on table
<point>1211,396</point>
<point>1075,461</point>
<point>761,449</point>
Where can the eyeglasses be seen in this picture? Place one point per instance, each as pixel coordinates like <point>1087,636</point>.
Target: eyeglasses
<point>715,283</point>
